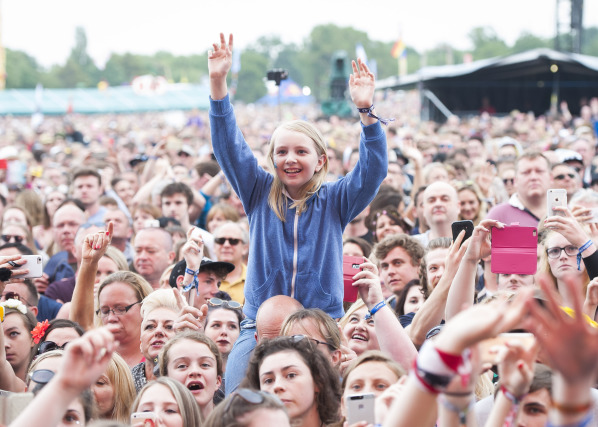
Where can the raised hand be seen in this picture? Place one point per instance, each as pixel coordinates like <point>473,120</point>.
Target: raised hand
<point>368,282</point>
<point>361,85</point>
<point>220,60</point>
<point>96,244</point>
<point>192,251</point>
<point>189,316</point>
<point>567,225</point>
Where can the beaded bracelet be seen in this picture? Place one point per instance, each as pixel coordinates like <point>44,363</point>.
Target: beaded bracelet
<point>461,412</point>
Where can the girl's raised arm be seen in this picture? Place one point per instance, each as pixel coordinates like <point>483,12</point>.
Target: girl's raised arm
<point>220,60</point>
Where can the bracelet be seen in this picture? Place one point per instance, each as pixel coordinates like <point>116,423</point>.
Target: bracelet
<point>583,248</point>
<point>191,272</point>
<point>458,393</point>
<point>461,412</point>
<point>572,409</point>
<point>370,114</point>
<point>516,400</point>
<point>375,309</point>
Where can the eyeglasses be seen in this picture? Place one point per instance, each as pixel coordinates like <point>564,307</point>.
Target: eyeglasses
<point>14,295</point>
<point>222,240</point>
<point>297,338</point>
<point>449,146</point>
<point>255,397</point>
<point>555,252</point>
<point>508,181</point>
<point>118,311</point>
<point>8,237</point>
<point>217,302</point>
<point>49,346</point>
<point>42,376</point>
<point>563,175</point>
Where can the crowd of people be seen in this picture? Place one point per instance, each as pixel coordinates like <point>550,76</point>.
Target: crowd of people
<point>193,266</point>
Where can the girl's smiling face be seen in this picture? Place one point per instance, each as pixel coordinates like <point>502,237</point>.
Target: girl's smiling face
<point>296,160</point>
<point>360,332</point>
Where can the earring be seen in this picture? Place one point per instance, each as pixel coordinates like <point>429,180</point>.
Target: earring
<point>275,167</point>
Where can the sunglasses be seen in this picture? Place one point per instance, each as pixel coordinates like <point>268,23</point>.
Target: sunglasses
<point>222,240</point>
<point>563,175</point>
<point>297,338</point>
<point>42,376</point>
<point>508,181</point>
<point>217,302</point>
<point>14,295</point>
<point>255,397</point>
<point>49,346</point>
<point>7,238</point>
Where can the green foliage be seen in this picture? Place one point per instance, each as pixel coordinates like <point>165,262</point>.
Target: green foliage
<point>22,71</point>
<point>308,64</point>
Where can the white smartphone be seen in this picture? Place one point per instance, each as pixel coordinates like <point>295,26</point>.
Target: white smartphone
<point>33,264</point>
<point>196,233</point>
<point>143,419</point>
<point>555,197</point>
<point>360,407</point>
<point>152,223</point>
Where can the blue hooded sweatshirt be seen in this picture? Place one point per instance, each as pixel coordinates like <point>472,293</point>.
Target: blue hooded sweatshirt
<point>302,257</point>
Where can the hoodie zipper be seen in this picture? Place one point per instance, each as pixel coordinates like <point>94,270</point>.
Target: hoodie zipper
<point>295,247</point>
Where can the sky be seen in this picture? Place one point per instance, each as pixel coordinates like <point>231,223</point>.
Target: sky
<point>45,29</point>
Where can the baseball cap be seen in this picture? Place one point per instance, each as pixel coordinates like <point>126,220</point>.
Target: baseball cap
<point>221,268</point>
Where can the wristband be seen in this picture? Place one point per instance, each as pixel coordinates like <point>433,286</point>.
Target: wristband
<point>370,114</point>
<point>435,368</point>
<point>462,413</point>
<point>583,248</point>
<point>516,400</point>
<point>191,272</point>
<point>375,309</point>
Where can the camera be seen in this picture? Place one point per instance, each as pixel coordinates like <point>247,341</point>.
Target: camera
<point>277,75</point>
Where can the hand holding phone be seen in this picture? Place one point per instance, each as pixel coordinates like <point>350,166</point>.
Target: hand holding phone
<point>33,264</point>
<point>351,268</point>
<point>144,419</point>
<point>360,407</point>
<point>555,197</point>
<point>458,226</point>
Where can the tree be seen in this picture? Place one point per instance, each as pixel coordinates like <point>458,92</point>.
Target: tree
<point>251,84</point>
<point>527,41</point>
<point>486,44</point>
<point>22,71</point>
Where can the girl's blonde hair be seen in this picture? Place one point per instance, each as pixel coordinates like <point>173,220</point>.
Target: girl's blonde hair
<point>277,200</point>
<point>120,377</point>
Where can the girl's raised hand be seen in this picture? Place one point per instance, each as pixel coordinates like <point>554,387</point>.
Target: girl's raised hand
<point>567,225</point>
<point>220,59</point>
<point>96,244</point>
<point>361,85</point>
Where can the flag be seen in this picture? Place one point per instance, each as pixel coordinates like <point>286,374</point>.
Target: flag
<point>398,49</point>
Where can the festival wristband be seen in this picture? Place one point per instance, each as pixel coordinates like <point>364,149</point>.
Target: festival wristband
<point>581,249</point>
<point>370,114</point>
<point>375,309</point>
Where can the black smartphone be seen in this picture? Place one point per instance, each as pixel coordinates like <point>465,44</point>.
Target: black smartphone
<point>458,226</point>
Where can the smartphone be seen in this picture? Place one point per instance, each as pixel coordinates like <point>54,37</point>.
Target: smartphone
<point>555,197</point>
<point>196,233</point>
<point>12,404</point>
<point>152,223</point>
<point>351,268</point>
<point>360,407</point>
<point>143,419</point>
<point>33,264</point>
<point>487,348</point>
<point>458,226</point>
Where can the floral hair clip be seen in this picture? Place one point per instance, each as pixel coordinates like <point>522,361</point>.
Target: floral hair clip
<point>39,331</point>
<point>16,304</point>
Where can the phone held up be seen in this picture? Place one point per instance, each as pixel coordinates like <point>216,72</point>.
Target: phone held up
<point>350,268</point>
<point>555,197</point>
<point>458,226</point>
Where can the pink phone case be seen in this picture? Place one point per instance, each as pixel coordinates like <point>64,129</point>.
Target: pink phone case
<point>514,250</point>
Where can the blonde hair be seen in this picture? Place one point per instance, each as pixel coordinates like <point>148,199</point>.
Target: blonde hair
<point>277,200</point>
<point>160,298</point>
<point>120,378</point>
<point>118,257</point>
<point>359,304</point>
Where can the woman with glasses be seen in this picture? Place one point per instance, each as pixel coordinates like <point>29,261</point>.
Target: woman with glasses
<point>569,254</point>
<point>249,408</point>
<point>223,325</point>
<point>14,232</point>
<point>300,376</point>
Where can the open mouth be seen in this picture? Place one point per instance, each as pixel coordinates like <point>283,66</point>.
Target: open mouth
<point>195,386</point>
<point>359,337</point>
<point>292,171</point>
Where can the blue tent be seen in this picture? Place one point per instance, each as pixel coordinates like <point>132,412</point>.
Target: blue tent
<point>290,93</point>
